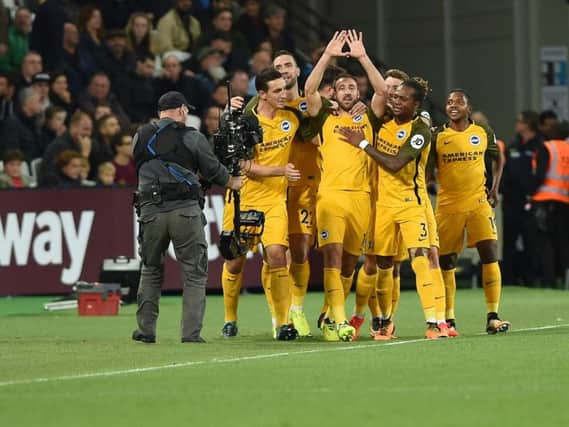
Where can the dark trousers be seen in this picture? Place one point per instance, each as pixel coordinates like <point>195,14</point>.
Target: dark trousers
<point>518,267</point>
<point>185,228</point>
<point>551,250</point>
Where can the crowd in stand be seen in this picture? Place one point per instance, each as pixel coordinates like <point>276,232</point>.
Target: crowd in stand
<point>78,77</point>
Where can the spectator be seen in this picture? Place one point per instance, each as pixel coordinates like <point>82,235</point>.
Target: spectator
<point>47,33</point>
<point>59,94</point>
<point>77,65</point>
<point>250,23</point>
<point>123,160</point>
<point>40,83</point>
<point>102,109</point>
<point>77,138</point>
<point>239,81</point>
<point>260,60</point>
<point>117,12</point>
<point>12,176</point>
<point>99,92</point>
<point>178,29</point>
<point>106,175</point>
<point>85,172</point>
<point>548,122</point>
<point>174,80</point>
<point>106,128</point>
<point>22,131</point>
<point>31,65</point>
<point>140,39</point>
<point>219,96</point>
<point>6,97</point>
<point>210,122</point>
<point>54,126</point>
<point>18,42</point>
<point>91,31</point>
<point>118,62</point>
<point>141,101</point>
<point>68,166</point>
<point>516,189</point>
<point>210,70</point>
<point>274,18</point>
<point>233,58</point>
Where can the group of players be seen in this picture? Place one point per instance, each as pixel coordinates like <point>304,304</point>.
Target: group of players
<point>355,180</point>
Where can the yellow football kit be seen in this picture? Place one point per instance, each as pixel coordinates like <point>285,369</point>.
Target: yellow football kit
<point>462,204</point>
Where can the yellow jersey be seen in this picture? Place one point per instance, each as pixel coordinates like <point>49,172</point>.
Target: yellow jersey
<point>404,187</point>
<point>278,134</point>
<point>460,158</point>
<point>343,166</point>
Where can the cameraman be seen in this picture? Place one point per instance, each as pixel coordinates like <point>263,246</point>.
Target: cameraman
<point>169,201</point>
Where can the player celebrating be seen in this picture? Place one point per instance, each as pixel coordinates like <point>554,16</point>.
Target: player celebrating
<point>460,150</point>
<point>343,203</point>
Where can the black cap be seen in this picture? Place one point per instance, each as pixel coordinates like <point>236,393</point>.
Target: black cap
<point>41,77</point>
<point>171,100</point>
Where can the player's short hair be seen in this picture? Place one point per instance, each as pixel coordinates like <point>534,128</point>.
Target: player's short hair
<point>464,93</point>
<point>264,77</point>
<point>283,52</point>
<point>344,75</point>
<point>397,74</point>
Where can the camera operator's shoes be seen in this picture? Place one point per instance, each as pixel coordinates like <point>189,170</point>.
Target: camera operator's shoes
<point>198,340</point>
<point>147,339</point>
<point>298,319</point>
<point>346,331</point>
<point>286,333</point>
<point>229,329</point>
<point>496,325</point>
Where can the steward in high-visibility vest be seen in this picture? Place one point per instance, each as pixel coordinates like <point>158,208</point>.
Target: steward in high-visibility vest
<point>555,185</point>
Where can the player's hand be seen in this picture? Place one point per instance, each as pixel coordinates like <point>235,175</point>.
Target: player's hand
<point>351,136</point>
<point>336,44</point>
<point>493,197</point>
<point>291,173</point>
<point>235,182</point>
<point>237,102</point>
<point>356,44</point>
<point>359,109</point>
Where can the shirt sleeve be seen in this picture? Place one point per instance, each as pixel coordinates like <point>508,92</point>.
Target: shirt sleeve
<point>208,165</point>
<point>419,139</point>
<point>253,102</point>
<point>311,126</point>
<point>492,149</point>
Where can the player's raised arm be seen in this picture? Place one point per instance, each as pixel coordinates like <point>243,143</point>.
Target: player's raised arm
<point>334,48</point>
<point>357,51</point>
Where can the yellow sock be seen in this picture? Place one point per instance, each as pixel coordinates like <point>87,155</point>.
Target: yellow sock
<point>372,301</point>
<point>425,288</point>
<point>492,283</point>
<point>334,294</point>
<point>231,284</point>
<point>347,285</point>
<point>439,288</point>
<point>300,273</point>
<point>266,282</point>
<point>365,286</point>
<point>384,290</point>
<point>450,291</point>
<point>280,291</point>
<point>395,295</point>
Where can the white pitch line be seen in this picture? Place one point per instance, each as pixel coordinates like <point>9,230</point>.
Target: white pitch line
<point>237,359</point>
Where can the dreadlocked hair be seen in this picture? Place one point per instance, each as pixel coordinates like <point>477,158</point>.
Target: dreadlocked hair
<point>420,88</point>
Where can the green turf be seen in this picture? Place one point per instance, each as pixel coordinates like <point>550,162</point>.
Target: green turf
<point>517,379</point>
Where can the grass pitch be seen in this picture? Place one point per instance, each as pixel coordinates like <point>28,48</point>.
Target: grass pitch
<point>58,369</point>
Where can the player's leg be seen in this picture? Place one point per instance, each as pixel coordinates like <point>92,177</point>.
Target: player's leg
<point>481,230</point>
<point>365,290</point>
<point>231,280</point>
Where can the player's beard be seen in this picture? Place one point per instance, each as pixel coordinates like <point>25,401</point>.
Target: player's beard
<point>291,84</point>
<point>347,107</point>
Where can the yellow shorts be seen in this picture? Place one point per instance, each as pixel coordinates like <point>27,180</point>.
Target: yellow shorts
<point>343,217</point>
<point>479,224</point>
<point>301,207</point>
<point>400,227</point>
<point>275,231</point>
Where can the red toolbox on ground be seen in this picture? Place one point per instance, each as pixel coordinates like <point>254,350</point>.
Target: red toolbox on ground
<point>98,299</point>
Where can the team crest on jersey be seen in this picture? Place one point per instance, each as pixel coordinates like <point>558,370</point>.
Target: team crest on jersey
<point>358,118</point>
<point>475,140</point>
<point>303,107</point>
<point>323,234</point>
<point>285,125</point>
<point>425,114</point>
<point>417,141</point>
<point>401,134</point>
